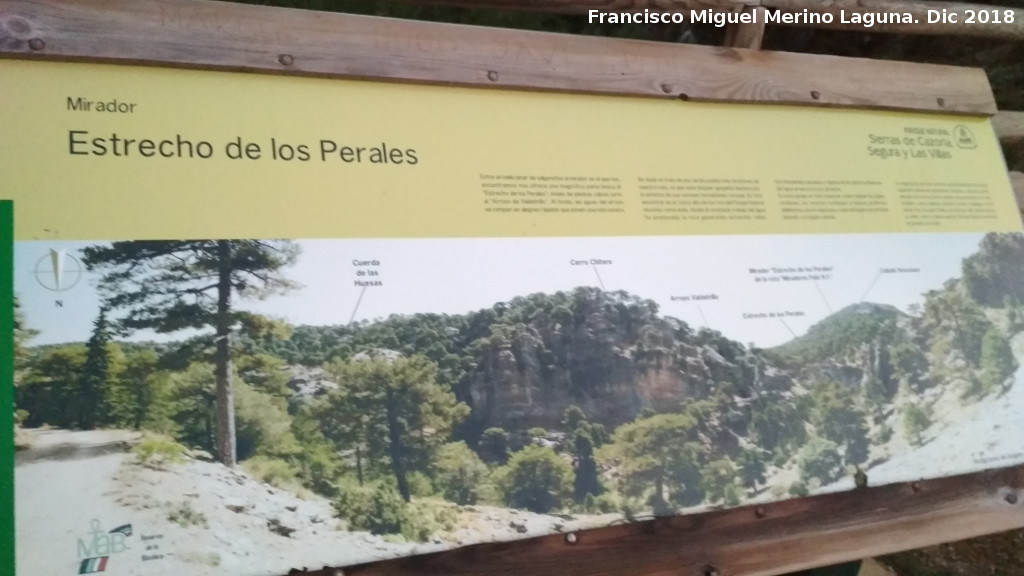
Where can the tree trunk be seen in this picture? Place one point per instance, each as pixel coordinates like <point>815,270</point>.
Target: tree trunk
<point>225,393</point>
<point>396,448</point>
<point>359,464</point>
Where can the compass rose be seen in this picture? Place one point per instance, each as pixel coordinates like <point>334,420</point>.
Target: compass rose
<point>58,271</point>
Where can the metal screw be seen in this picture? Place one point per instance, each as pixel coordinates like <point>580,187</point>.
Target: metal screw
<point>492,75</point>
<point>941,101</point>
<point>1011,498</point>
<point>570,538</point>
<point>36,44</point>
<point>760,512</point>
<point>666,88</point>
<point>815,94</point>
<point>286,59</point>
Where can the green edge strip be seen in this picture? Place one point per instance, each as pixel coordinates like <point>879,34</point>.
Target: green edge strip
<point>7,387</point>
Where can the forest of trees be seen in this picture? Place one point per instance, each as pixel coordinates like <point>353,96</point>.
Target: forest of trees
<point>402,423</point>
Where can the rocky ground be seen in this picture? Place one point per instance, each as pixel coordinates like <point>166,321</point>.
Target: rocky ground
<point>200,518</point>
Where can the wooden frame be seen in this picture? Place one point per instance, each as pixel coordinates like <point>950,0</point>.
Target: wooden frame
<point>762,540</point>
<point>218,35</point>
<point>748,541</point>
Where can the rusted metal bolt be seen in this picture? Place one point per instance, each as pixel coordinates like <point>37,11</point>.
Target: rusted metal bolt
<point>286,59</point>
<point>570,538</point>
<point>492,75</point>
<point>666,88</point>
<point>815,94</point>
<point>760,512</point>
<point>36,44</point>
<point>1011,498</point>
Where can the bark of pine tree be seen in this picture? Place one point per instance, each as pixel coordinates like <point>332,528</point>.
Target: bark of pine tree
<point>225,392</point>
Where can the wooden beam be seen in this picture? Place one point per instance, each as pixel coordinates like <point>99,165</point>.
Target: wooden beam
<point>1006,29</point>
<point>1009,126</point>
<point>751,541</point>
<point>747,35</point>
<point>227,36</point>
<point>1017,183</point>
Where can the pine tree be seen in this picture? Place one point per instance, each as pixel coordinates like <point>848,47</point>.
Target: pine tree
<point>997,361</point>
<point>493,447</point>
<point>663,452</point>
<point>92,383</point>
<point>22,334</point>
<point>586,481</point>
<point>169,286</point>
<point>49,390</point>
<point>393,407</point>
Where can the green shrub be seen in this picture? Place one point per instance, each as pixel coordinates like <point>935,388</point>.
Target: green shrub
<point>379,510</point>
<point>780,459</point>
<point>915,422</point>
<point>459,474</point>
<point>185,516</point>
<point>607,503</point>
<point>719,481</point>
<point>799,488</point>
<point>157,450</point>
<point>536,479</point>
<point>420,485</point>
<point>273,471</point>
<point>820,459</point>
<point>426,518</point>
<point>493,447</point>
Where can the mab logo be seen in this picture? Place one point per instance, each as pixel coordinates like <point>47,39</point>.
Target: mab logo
<point>95,551</point>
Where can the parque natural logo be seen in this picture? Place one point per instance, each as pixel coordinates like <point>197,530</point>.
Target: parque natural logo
<point>95,551</point>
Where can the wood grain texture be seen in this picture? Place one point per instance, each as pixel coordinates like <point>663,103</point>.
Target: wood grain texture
<point>792,535</point>
<point>1013,31</point>
<point>226,36</point>
<point>747,36</point>
<point>1017,183</point>
<point>1009,126</point>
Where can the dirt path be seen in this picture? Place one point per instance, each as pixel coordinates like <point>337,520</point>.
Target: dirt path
<point>57,497</point>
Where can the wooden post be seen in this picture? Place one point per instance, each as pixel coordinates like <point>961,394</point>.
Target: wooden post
<point>747,35</point>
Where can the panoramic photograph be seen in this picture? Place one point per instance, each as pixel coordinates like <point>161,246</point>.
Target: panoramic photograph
<point>258,405</point>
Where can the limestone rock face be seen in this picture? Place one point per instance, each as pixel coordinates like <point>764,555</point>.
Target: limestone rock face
<point>611,364</point>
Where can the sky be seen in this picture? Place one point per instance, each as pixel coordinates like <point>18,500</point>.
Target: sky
<point>462,275</point>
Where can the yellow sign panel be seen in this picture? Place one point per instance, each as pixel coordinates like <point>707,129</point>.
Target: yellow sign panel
<point>100,149</point>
